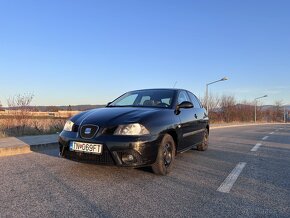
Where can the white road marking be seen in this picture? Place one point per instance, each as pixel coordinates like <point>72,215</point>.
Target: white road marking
<point>265,138</point>
<point>271,133</point>
<point>226,186</point>
<point>256,147</point>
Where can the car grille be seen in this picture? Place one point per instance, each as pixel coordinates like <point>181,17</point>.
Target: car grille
<point>104,158</point>
<point>88,131</point>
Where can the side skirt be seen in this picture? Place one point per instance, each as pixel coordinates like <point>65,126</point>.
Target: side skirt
<point>188,148</point>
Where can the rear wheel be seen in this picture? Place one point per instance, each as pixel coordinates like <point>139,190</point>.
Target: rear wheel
<point>204,145</point>
<point>165,156</point>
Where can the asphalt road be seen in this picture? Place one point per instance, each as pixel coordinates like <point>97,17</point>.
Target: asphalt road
<point>44,185</point>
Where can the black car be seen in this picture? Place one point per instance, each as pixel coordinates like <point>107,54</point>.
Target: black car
<point>140,128</point>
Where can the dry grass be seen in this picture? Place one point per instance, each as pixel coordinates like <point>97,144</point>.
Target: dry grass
<point>12,127</point>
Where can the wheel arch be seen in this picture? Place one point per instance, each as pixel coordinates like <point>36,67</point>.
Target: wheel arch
<point>174,135</point>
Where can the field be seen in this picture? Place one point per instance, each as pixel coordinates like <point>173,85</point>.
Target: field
<point>23,122</point>
<point>32,126</point>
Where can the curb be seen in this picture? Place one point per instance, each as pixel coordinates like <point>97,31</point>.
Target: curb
<point>249,124</point>
<point>41,147</point>
<point>26,148</point>
<point>9,151</point>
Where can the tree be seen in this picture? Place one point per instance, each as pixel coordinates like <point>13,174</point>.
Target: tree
<point>228,108</point>
<point>213,101</point>
<point>278,111</point>
<point>244,112</point>
<point>20,110</point>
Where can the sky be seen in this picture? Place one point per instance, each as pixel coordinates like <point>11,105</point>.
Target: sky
<point>69,52</point>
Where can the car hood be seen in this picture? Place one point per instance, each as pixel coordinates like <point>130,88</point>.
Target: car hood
<point>111,116</point>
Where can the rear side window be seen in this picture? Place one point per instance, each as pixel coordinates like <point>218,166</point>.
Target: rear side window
<point>194,100</point>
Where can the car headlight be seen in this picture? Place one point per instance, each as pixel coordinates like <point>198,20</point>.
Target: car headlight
<point>131,129</point>
<point>68,126</point>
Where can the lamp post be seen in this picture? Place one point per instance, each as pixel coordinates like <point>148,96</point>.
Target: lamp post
<point>285,114</point>
<point>264,96</point>
<point>206,92</point>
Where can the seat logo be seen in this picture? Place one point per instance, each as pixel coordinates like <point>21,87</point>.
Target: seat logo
<point>88,131</point>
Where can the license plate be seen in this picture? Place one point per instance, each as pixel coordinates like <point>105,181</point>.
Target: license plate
<point>86,147</point>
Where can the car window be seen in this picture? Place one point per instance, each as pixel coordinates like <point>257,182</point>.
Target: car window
<point>194,100</point>
<point>182,97</point>
<point>145,98</point>
<point>166,101</point>
<point>128,100</point>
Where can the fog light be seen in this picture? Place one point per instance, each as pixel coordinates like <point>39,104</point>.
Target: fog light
<point>128,158</point>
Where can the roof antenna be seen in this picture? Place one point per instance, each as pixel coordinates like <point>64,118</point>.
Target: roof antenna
<point>174,84</point>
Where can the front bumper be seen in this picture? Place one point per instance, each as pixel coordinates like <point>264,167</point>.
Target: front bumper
<point>116,149</point>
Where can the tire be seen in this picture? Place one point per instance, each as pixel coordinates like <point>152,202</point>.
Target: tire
<point>61,151</point>
<point>165,156</point>
<point>204,145</point>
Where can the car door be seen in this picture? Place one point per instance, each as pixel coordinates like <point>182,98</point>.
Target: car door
<point>188,123</point>
<point>200,116</point>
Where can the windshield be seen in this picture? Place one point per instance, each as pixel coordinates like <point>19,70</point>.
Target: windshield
<point>145,98</point>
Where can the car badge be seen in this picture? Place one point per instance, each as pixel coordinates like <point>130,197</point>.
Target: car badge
<point>88,131</point>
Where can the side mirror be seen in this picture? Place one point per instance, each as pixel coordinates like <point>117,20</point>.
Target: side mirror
<point>185,105</point>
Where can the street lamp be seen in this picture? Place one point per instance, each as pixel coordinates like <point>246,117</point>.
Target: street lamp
<point>206,92</point>
<point>264,96</point>
<point>284,114</point>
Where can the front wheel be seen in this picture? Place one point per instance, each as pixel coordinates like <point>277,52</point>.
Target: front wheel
<point>165,156</point>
